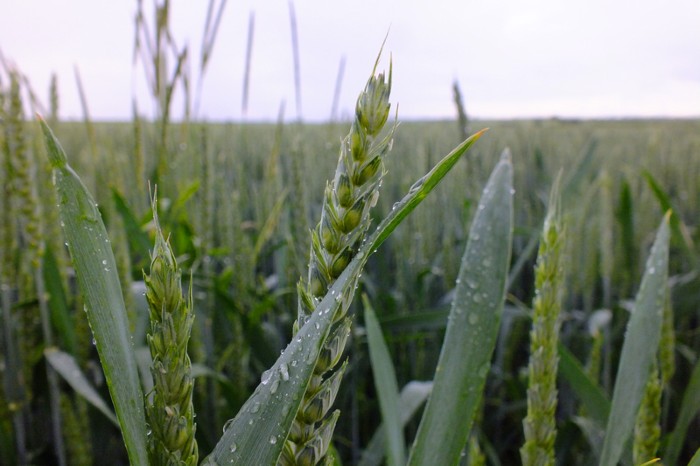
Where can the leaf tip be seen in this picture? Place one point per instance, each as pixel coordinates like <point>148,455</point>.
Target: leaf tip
<point>668,215</point>
<point>57,157</point>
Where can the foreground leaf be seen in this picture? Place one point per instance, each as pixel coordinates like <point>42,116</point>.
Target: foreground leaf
<point>258,432</point>
<point>472,327</point>
<point>638,350</point>
<point>97,276</point>
<point>387,388</point>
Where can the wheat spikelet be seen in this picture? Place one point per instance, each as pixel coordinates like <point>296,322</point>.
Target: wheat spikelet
<point>539,425</point>
<point>169,413</point>
<point>345,218</point>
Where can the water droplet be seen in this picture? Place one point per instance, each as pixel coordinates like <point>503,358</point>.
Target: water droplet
<point>652,270</point>
<point>274,386</point>
<point>255,408</point>
<point>486,262</point>
<point>233,448</point>
<point>476,298</point>
<point>227,425</point>
<point>473,318</point>
<point>284,370</point>
<point>266,376</point>
<point>104,261</point>
<point>273,439</point>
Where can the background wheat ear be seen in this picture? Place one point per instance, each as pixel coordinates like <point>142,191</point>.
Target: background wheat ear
<point>539,425</point>
<point>169,411</point>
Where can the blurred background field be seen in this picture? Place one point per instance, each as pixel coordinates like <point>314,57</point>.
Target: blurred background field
<point>238,201</point>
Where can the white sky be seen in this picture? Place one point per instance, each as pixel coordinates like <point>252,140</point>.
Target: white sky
<point>512,58</point>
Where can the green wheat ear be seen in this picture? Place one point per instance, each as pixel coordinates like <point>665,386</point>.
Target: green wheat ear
<point>345,219</point>
<point>169,413</point>
<point>539,425</point>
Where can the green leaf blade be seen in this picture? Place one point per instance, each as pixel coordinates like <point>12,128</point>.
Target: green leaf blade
<point>68,368</point>
<point>591,395</point>
<point>96,271</point>
<point>472,327</point>
<point>639,349</point>
<point>387,387</point>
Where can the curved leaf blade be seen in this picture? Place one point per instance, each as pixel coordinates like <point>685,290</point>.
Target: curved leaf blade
<point>96,271</point>
<point>639,348</point>
<point>258,432</point>
<point>472,326</point>
<point>68,368</point>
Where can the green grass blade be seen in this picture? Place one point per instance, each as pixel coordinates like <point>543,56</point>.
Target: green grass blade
<point>412,397</point>
<point>258,432</point>
<point>591,395</point>
<point>638,350</point>
<point>99,282</point>
<point>68,368</point>
<point>387,387</point>
<point>695,460</point>
<point>690,406</point>
<point>678,227</point>
<point>472,327</point>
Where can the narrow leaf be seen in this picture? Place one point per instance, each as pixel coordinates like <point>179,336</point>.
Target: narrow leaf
<point>472,327</point>
<point>695,460</point>
<point>591,395</point>
<point>690,406</point>
<point>68,368</point>
<point>639,349</point>
<point>97,276</point>
<point>258,432</point>
<point>387,387</point>
<point>678,227</point>
<point>412,397</point>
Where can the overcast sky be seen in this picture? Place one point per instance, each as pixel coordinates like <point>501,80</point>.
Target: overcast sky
<point>512,58</point>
